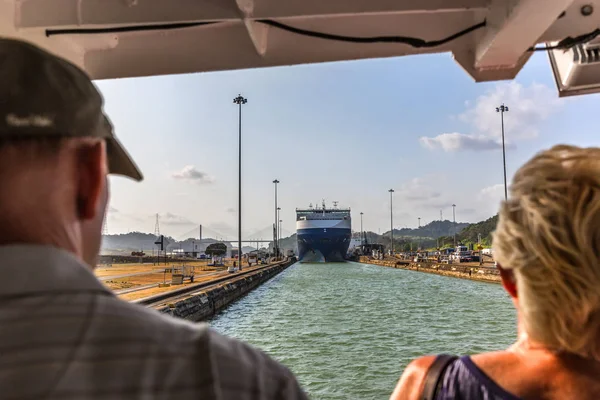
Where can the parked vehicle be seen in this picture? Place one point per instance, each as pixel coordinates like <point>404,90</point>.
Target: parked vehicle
<point>487,252</point>
<point>252,259</point>
<point>462,254</point>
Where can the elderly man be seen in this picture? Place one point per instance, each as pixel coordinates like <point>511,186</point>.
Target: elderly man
<point>62,333</point>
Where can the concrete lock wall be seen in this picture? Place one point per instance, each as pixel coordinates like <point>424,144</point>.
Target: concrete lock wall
<point>483,274</point>
<point>205,304</point>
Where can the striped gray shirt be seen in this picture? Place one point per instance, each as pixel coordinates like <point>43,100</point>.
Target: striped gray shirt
<point>64,335</point>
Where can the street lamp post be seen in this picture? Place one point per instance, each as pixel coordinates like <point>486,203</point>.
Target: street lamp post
<point>275,248</point>
<point>419,218</point>
<point>454,223</point>
<point>480,248</point>
<point>441,220</point>
<point>280,224</point>
<point>361,228</point>
<point>502,109</point>
<point>278,230</point>
<point>391,223</point>
<point>239,100</point>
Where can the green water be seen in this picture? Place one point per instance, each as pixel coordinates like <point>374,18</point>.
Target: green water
<point>348,330</point>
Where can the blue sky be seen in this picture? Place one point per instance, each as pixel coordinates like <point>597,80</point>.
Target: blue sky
<point>346,131</point>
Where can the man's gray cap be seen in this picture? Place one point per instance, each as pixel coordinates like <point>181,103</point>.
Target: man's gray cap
<point>42,95</point>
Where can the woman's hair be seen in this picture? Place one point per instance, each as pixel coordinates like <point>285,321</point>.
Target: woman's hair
<point>548,233</point>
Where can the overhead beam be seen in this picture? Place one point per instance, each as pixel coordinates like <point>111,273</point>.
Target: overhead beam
<point>257,31</point>
<point>572,23</point>
<point>258,34</point>
<point>64,47</point>
<point>71,13</point>
<point>325,8</point>
<point>77,13</point>
<point>513,26</point>
<point>466,60</point>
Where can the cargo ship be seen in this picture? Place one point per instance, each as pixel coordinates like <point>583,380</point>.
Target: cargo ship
<point>323,233</point>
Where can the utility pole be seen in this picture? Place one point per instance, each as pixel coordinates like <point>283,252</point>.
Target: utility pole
<point>419,232</point>
<point>239,100</point>
<point>361,228</point>
<point>391,223</point>
<point>454,223</point>
<point>156,231</point>
<point>278,231</point>
<point>280,224</point>
<point>275,248</point>
<point>502,109</point>
<point>480,248</point>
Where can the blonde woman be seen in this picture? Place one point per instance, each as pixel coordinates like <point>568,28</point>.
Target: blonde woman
<point>547,245</point>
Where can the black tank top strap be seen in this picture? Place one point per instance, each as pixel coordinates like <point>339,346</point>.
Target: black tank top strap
<point>434,373</point>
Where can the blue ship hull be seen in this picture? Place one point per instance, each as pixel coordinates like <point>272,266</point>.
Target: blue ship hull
<point>323,245</point>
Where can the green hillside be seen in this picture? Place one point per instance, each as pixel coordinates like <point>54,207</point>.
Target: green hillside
<point>438,234</point>
<point>483,228</point>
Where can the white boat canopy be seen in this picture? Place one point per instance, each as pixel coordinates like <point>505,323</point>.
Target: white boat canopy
<point>489,39</point>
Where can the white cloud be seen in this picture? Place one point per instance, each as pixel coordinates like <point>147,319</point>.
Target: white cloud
<point>492,194</point>
<point>422,193</point>
<point>488,200</point>
<point>190,173</point>
<point>450,142</point>
<point>418,189</point>
<point>528,107</point>
<point>173,219</point>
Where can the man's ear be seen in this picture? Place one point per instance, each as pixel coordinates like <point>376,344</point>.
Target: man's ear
<point>508,281</point>
<point>91,174</point>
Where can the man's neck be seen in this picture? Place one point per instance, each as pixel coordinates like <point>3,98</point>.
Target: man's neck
<point>13,234</point>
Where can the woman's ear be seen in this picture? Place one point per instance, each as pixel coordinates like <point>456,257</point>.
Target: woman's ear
<point>508,281</point>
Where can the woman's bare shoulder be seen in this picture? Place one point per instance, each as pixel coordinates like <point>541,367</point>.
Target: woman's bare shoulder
<point>496,359</point>
<point>410,385</point>
<point>541,374</point>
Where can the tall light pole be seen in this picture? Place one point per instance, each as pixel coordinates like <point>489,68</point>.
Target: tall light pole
<point>419,218</point>
<point>441,220</point>
<point>361,228</point>
<point>502,109</point>
<point>454,222</point>
<point>480,248</point>
<point>275,248</point>
<point>391,223</point>
<point>240,101</point>
<point>278,223</point>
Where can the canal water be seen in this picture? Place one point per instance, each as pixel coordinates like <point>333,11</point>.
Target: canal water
<point>347,330</point>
